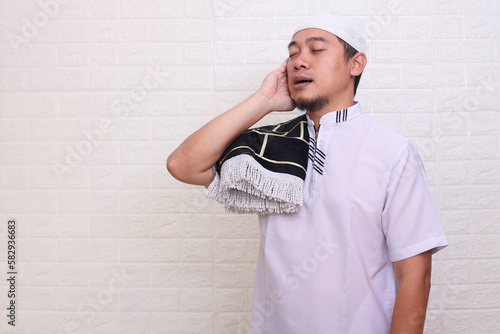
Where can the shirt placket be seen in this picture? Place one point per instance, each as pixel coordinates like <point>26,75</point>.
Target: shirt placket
<point>317,157</point>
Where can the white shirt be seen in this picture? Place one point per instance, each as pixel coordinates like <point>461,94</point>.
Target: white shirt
<point>328,268</point>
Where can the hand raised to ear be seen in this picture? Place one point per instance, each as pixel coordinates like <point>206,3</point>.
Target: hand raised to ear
<point>275,89</point>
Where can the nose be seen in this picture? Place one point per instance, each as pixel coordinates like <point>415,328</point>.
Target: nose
<point>301,61</point>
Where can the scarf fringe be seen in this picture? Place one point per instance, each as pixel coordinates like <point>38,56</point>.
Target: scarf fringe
<point>244,186</point>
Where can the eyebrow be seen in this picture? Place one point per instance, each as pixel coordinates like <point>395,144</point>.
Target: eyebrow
<point>309,40</point>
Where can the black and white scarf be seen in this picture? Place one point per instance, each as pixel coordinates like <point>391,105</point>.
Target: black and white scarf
<point>263,170</point>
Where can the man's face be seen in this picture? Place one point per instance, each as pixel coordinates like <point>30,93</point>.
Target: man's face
<point>318,76</point>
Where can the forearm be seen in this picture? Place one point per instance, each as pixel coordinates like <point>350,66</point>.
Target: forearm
<point>414,284</point>
<point>192,161</point>
<point>410,309</point>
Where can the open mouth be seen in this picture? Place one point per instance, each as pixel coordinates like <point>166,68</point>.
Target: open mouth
<point>301,82</point>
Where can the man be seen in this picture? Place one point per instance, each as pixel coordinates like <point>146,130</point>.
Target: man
<point>356,258</point>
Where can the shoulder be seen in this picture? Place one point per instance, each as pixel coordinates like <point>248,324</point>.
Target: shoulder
<point>380,129</point>
<point>380,139</point>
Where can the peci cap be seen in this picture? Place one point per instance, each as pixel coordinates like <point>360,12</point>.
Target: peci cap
<point>338,25</point>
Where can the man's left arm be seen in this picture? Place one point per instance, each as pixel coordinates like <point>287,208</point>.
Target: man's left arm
<point>414,283</point>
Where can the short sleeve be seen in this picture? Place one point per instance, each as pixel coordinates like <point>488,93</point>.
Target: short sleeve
<point>409,218</point>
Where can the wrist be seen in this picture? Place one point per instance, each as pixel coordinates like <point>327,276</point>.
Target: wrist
<point>263,104</point>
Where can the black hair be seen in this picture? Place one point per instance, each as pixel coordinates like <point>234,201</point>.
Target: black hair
<point>350,52</point>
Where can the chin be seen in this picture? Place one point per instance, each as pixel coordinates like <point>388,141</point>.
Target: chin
<point>311,104</point>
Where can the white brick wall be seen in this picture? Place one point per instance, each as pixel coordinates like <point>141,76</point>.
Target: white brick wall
<point>94,95</point>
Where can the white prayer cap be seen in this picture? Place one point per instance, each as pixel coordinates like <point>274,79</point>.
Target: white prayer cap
<point>338,25</point>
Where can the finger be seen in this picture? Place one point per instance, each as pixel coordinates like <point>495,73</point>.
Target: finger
<point>284,65</point>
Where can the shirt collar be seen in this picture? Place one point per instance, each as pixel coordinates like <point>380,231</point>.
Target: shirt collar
<point>338,116</point>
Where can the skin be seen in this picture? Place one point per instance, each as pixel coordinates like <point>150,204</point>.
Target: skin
<point>414,284</point>
<point>317,56</point>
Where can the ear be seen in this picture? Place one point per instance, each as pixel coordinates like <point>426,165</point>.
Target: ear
<point>358,64</point>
